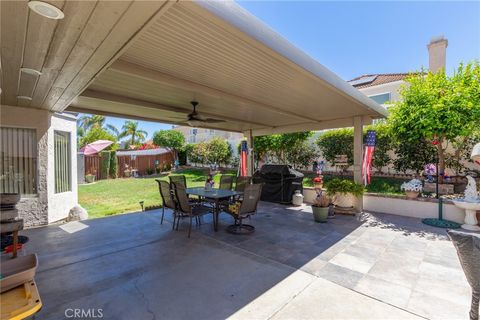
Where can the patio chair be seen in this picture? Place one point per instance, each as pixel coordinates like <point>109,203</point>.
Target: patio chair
<point>245,209</point>
<point>241,183</point>
<point>185,207</point>
<point>226,182</point>
<point>167,198</point>
<point>179,180</point>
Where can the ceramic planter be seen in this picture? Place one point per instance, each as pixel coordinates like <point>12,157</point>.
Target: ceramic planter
<point>344,200</point>
<point>411,194</point>
<point>89,178</point>
<point>320,214</point>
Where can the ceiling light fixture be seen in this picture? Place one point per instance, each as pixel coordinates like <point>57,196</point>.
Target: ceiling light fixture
<point>46,10</point>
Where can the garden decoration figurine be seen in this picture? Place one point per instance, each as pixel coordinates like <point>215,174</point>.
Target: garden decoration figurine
<point>318,182</point>
<point>430,170</point>
<point>412,188</point>
<point>470,203</point>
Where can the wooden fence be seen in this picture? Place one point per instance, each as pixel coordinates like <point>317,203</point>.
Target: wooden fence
<point>139,163</point>
<point>143,163</point>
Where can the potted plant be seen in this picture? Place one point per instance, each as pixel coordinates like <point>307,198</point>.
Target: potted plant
<point>89,178</point>
<point>320,206</point>
<point>344,192</point>
<point>412,188</point>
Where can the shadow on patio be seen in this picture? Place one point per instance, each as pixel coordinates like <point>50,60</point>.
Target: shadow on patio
<point>132,267</point>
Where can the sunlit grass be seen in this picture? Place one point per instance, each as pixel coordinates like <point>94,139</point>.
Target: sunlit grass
<point>114,196</point>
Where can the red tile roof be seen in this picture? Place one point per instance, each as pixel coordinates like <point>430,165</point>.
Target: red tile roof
<point>380,78</point>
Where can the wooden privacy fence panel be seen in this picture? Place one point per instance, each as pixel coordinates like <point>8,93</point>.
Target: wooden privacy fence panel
<point>92,166</point>
<point>139,163</point>
<point>142,163</point>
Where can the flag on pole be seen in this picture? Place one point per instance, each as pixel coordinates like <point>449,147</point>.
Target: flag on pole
<point>243,158</point>
<point>370,141</point>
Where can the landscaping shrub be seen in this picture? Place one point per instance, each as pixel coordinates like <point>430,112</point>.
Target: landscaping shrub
<point>336,142</point>
<point>104,164</point>
<point>113,165</point>
<point>344,186</point>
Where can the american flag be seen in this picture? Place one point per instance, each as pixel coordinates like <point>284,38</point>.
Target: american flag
<point>243,158</point>
<point>370,140</point>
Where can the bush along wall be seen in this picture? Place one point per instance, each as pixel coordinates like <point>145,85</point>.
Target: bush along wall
<point>113,165</point>
<point>104,164</point>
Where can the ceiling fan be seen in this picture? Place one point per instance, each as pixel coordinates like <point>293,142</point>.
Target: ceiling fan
<point>194,119</point>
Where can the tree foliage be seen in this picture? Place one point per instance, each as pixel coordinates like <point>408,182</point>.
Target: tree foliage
<point>214,151</point>
<point>436,107</point>
<point>276,147</point>
<point>336,142</point>
<point>131,129</point>
<point>301,155</point>
<point>170,139</point>
<point>98,133</point>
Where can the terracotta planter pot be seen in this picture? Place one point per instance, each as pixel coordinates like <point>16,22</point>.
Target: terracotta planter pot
<point>411,194</point>
<point>320,214</point>
<point>344,200</point>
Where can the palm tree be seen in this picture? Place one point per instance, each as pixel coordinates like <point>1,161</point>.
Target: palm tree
<point>89,121</point>
<point>130,128</point>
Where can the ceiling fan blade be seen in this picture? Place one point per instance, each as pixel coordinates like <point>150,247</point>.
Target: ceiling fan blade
<point>211,120</point>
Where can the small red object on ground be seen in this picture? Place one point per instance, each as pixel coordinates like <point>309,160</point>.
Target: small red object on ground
<point>9,249</point>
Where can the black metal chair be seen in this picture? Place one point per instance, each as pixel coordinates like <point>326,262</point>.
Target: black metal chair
<point>167,198</point>
<point>226,182</point>
<point>247,208</point>
<point>179,180</point>
<point>187,208</point>
<point>242,182</point>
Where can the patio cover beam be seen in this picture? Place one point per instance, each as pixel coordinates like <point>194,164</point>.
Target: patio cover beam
<point>159,77</point>
<point>311,126</point>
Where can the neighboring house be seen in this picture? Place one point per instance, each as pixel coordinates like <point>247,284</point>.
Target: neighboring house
<point>381,88</point>
<point>37,160</point>
<point>384,87</point>
<point>196,135</point>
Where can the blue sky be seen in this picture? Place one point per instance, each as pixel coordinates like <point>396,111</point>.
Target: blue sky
<point>355,38</point>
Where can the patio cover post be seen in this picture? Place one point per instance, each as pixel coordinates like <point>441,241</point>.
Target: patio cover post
<point>358,155</point>
<point>250,158</point>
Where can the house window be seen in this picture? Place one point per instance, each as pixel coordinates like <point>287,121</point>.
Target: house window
<point>381,98</point>
<point>18,160</point>
<point>63,163</point>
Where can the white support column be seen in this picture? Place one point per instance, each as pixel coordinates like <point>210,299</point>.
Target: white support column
<point>358,155</point>
<point>250,159</point>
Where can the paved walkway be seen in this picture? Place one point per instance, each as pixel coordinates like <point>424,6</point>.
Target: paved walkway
<point>131,267</point>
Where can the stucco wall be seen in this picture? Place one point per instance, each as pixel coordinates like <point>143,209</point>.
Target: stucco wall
<point>391,87</point>
<point>60,203</point>
<point>35,209</point>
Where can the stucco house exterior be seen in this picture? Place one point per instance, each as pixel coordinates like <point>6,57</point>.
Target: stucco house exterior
<point>38,160</point>
<point>196,135</point>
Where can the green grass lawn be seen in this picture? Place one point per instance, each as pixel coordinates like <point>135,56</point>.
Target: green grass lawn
<point>108,197</point>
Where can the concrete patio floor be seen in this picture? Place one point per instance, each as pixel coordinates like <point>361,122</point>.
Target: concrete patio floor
<point>131,267</point>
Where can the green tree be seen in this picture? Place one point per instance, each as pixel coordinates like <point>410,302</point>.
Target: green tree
<point>130,129</point>
<point>336,142</point>
<point>301,155</point>
<point>98,133</point>
<point>438,108</point>
<point>276,145</point>
<point>218,151</point>
<point>170,139</point>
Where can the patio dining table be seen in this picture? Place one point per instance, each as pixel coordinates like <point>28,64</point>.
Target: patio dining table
<point>214,196</point>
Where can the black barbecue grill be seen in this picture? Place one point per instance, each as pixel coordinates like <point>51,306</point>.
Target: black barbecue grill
<point>280,182</point>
